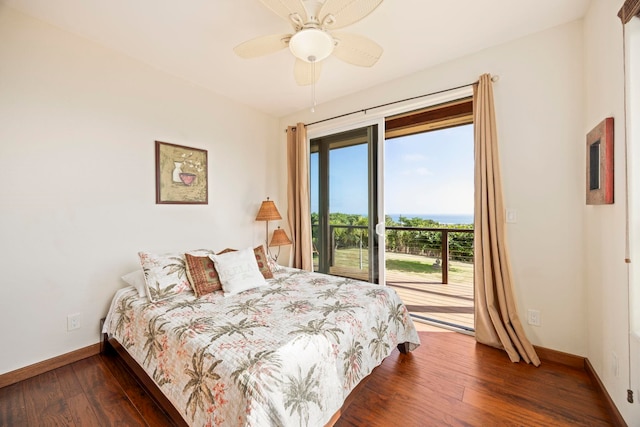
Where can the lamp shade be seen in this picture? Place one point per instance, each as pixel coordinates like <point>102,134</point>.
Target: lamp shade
<point>280,238</point>
<point>268,211</point>
<point>311,45</point>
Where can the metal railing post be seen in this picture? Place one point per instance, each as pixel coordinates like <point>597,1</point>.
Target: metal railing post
<point>360,253</point>
<point>444,251</point>
<point>332,242</point>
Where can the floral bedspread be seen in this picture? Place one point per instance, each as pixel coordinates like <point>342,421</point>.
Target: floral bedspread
<point>286,354</point>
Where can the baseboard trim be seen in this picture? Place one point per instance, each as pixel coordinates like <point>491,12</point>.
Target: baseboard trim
<point>48,365</point>
<point>613,409</point>
<point>571,360</point>
<point>583,364</point>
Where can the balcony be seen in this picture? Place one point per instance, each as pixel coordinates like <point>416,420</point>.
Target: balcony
<point>431,269</point>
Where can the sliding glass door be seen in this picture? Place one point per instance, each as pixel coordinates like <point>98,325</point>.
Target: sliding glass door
<point>344,203</point>
<point>388,207</point>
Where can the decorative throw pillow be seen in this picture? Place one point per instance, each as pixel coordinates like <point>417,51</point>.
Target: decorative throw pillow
<point>202,274</point>
<point>261,259</point>
<point>263,262</point>
<point>238,271</point>
<point>136,279</point>
<point>165,275</point>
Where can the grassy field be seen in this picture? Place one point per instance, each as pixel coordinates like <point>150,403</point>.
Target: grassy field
<point>415,264</point>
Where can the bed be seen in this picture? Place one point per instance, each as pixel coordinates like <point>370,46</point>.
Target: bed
<point>287,353</point>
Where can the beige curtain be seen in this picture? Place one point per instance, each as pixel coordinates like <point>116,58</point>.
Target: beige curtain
<point>298,196</point>
<point>629,9</point>
<point>496,315</point>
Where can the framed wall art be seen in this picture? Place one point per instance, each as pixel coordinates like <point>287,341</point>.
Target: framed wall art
<point>600,163</point>
<point>181,174</point>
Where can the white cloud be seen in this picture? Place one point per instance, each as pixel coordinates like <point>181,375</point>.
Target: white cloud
<point>414,157</point>
<point>422,172</point>
<point>416,172</point>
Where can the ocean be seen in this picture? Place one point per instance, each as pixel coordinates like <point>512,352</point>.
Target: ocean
<point>441,218</point>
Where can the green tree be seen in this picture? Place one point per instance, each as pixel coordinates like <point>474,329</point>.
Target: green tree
<point>351,231</point>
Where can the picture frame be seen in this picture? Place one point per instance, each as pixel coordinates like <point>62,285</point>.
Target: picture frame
<point>599,184</point>
<point>181,175</point>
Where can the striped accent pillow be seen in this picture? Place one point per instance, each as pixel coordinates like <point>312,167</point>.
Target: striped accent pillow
<point>202,275</point>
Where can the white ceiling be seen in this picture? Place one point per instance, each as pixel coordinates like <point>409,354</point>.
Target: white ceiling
<point>193,39</point>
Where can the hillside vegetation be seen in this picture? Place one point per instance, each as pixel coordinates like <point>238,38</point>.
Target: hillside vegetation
<point>418,236</point>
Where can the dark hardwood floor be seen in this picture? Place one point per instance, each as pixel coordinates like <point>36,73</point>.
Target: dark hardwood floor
<point>449,380</point>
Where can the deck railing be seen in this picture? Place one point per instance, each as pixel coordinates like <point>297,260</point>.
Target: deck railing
<point>443,244</point>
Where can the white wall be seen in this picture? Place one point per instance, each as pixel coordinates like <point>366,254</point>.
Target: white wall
<point>77,180</point>
<point>604,226</point>
<point>539,106</point>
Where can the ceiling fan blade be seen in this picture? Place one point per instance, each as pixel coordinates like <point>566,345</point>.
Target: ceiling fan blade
<point>347,12</point>
<point>262,45</point>
<point>356,50</point>
<point>306,73</point>
<point>286,8</point>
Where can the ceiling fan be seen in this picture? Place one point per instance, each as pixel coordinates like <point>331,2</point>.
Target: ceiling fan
<point>313,39</point>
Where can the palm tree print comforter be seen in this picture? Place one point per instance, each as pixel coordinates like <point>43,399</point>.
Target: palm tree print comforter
<point>285,354</point>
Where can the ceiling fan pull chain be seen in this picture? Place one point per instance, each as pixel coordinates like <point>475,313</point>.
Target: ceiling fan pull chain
<point>313,79</point>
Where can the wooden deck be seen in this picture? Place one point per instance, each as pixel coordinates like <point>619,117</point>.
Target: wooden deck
<point>449,305</point>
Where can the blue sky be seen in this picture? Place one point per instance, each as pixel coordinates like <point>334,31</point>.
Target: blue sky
<point>428,173</point>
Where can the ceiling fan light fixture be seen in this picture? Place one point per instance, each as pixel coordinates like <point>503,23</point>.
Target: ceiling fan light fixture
<point>311,44</point>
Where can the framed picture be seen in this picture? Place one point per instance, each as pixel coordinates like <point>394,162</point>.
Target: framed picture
<point>181,174</point>
<point>600,163</point>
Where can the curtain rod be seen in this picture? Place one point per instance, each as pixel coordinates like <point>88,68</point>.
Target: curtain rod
<point>364,110</point>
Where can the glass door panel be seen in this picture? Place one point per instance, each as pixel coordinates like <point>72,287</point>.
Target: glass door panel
<point>344,203</point>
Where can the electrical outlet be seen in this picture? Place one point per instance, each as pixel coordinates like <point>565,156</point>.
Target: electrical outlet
<point>73,321</point>
<point>533,317</point>
<point>511,216</point>
<point>615,367</point>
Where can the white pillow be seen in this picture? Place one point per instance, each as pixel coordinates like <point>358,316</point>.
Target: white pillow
<point>238,271</point>
<point>136,279</point>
